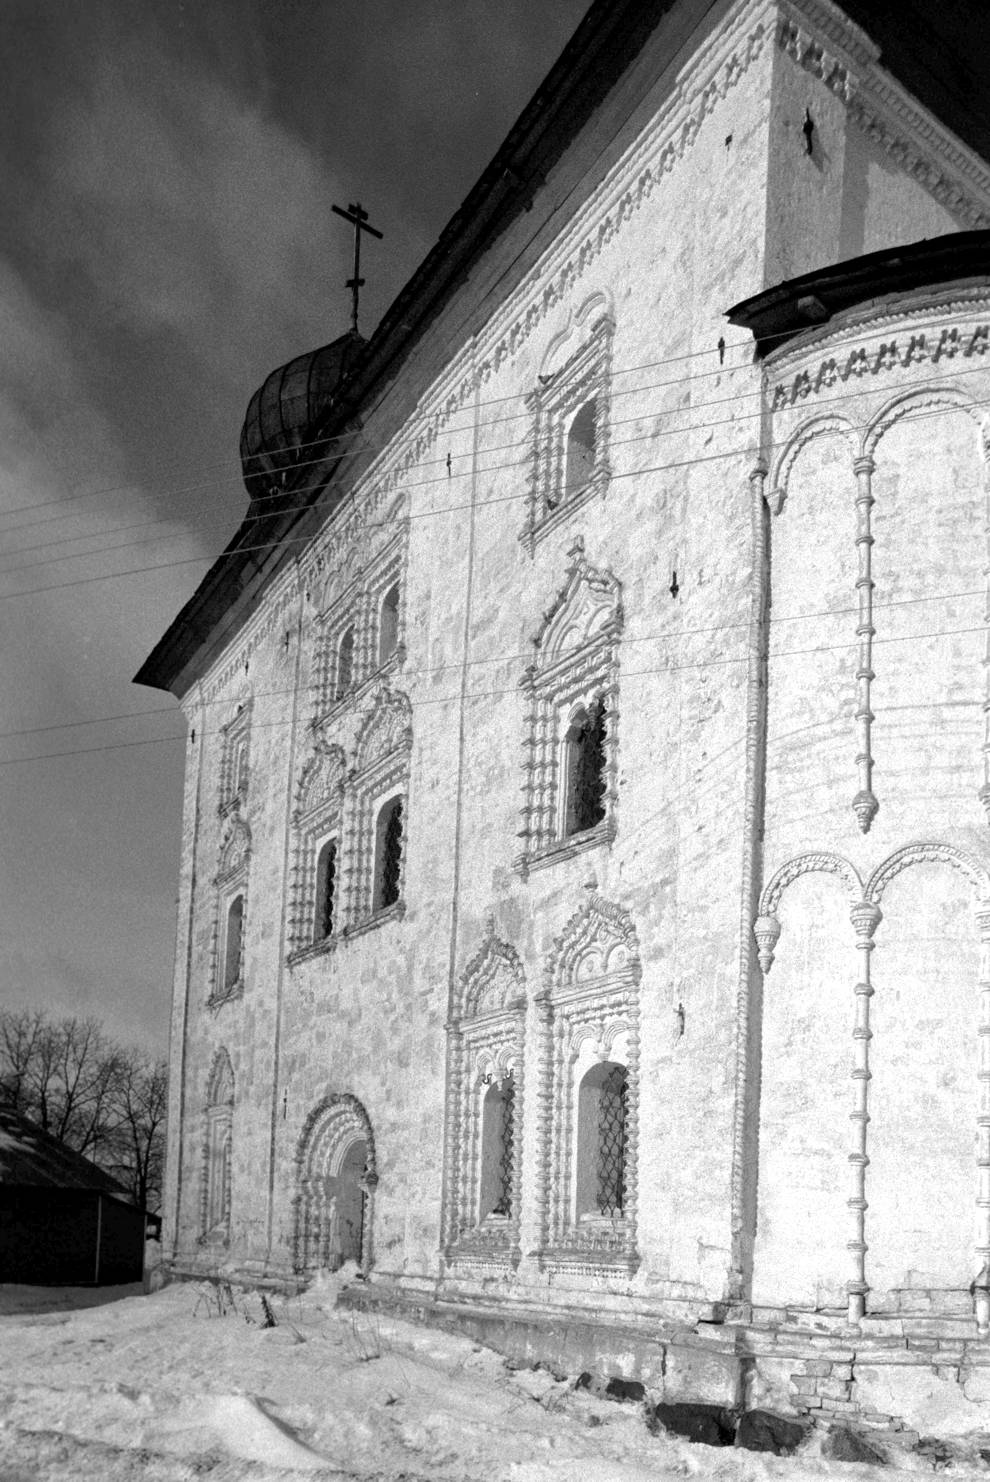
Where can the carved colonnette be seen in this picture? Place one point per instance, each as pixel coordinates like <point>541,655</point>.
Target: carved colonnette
<point>588,1007</point>
<point>916,398</point>
<point>487,1042</point>
<point>576,664</point>
<point>866,916</point>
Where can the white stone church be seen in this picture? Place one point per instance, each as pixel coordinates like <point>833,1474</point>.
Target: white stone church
<point>584,915</point>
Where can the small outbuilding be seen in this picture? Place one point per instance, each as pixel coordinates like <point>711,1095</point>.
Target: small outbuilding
<point>63,1221</point>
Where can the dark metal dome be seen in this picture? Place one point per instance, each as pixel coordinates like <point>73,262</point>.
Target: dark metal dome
<point>286,406</point>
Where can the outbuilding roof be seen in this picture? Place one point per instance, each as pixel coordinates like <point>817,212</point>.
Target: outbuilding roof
<point>33,1158</point>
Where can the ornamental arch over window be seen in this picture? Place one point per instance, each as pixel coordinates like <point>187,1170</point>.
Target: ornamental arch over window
<point>569,461</point>
<point>378,813</point>
<point>230,914</point>
<point>485,1107</point>
<point>235,758</point>
<point>315,910</point>
<point>215,1197</point>
<point>571,736</point>
<point>588,1114</point>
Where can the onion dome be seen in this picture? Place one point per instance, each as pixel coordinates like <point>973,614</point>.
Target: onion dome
<point>285,408</point>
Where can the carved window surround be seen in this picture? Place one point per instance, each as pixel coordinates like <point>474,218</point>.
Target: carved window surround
<point>588,1014</point>
<point>584,378</point>
<point>381,771</point>
<point>318,816</point>
<point>235,761</point>
<point>486,1044</point>
<point>230,881</point>
<point>215,1182</point>
<point>358,607</point>
<point>576,665</point>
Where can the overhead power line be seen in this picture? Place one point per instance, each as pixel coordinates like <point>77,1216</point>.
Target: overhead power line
<point>446,510</point>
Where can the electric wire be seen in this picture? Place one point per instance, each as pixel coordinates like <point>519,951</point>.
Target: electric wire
<point>656,636</point>
<point>487,694</point>
<point>445,510</point>
<point>653,435</point>
<point>468,409</point>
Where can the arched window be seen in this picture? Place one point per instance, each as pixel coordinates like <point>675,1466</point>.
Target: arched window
<point>584,770</point>
<point>345,663</point>
<point>388,624</point>
<point>215,1208</point>
<point>326,891</point>
<point>581,448</point>
<point>600,1182</point>
<point>497,1149</point>
<point>233,942</point>
<point>388,855</point>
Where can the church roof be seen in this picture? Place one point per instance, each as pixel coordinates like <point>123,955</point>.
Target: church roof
<point>785,310</point>
<point>31,1157</point>
<point>286,405</point>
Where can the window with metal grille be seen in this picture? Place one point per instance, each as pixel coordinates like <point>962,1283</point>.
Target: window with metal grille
<point>585,770</point>
<point>601,1157</point>
<point>388,624</point>
<point>497,1149</point>
<point>581,447</point>
<point>326,890</point>
<point>611,1171</point>
<point>388,855</point>
<point>345,663</point>
<point>233,942</point>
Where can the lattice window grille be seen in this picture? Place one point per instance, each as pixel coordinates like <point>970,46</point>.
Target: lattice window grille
<point>611,1162</point>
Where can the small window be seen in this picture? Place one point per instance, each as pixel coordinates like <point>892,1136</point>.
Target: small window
<point>584,770</point>
<point>388,624</point>
<point>388,855</point>
<point>326,890</point>
<point>602,1136</point>
<point>232,942</point>
<point>581,448</point>
<point>345,664</point>
<point>497,1151</point>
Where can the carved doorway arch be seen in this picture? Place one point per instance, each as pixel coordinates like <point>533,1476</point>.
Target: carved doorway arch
<point>336,1175</point>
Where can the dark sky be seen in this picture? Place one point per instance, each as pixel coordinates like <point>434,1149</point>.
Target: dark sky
<point>168,171</point>
<point>166,239</point>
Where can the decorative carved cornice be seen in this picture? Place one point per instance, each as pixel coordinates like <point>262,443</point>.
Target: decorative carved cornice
<point>870,360</point>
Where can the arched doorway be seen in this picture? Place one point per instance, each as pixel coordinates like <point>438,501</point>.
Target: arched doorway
<point>337,1178</point>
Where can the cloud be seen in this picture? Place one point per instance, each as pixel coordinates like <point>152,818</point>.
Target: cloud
<point>190,210</point>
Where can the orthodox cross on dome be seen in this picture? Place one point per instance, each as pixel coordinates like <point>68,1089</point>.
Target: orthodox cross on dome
<point>359,217</point>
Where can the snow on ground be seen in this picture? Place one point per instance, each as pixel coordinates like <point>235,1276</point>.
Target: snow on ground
<point>184,1385</point>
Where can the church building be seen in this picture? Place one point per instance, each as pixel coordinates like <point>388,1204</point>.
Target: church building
<point>584,911</point>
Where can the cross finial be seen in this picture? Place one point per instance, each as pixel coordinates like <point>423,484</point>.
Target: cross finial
<point>359,218</point>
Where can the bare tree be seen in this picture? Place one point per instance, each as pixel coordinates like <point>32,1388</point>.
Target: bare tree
<point>97,1097</point>
<point>141,1099</point>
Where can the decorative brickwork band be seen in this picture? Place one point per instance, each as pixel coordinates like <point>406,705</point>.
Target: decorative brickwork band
<point>864,803</point>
